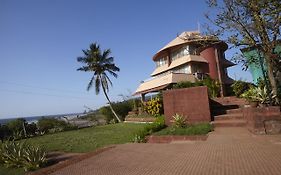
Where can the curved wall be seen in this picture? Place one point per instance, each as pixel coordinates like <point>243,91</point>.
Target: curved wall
<point>210,55</point>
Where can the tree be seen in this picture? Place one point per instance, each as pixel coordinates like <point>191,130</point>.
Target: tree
<point>250,24</point>
<point>100,64</point>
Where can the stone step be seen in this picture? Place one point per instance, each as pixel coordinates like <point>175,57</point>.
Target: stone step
<point>222,111</point>
<point>234,116</point>
<point>228,101</point>
<point>230,123</point>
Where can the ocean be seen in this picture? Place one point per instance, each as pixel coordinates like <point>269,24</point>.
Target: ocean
<point>36,118</point>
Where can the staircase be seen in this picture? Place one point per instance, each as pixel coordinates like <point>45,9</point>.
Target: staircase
<point>227,112</point>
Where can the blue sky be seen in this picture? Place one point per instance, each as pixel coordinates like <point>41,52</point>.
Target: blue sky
<point>41,39</point>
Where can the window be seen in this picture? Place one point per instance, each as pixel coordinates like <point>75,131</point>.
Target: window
<point>161,62</point>
<point>186,69</point>
<point>186,50</point>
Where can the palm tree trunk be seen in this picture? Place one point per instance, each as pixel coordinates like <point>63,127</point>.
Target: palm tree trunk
<point>110,106</point>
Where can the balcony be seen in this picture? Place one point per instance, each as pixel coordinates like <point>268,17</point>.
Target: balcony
<point>178,62</point>
<point>162,82</point>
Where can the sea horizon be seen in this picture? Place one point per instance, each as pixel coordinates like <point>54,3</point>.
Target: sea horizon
<point>31,119</point>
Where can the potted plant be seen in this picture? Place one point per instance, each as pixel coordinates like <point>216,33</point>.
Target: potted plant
<point>251,96</point>
<point>258,96</point>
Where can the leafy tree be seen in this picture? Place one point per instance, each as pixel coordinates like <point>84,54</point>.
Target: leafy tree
<point>18,126</point>
<point>250,24</point>
<point>100,63</point>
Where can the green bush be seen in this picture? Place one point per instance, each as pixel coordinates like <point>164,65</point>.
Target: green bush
<point>239,87</point>
<point>17,127</point>
<point>31,129</point>
<point>179,121</point>
<point>5,132</point>
<point>52,125</point>
<point>213,86</point>
<point>22,155</point>
<point>121,108</point>
<point>157,125</point>
<point>184,84</point>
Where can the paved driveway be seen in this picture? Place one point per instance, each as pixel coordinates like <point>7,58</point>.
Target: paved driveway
<point>227,151</point>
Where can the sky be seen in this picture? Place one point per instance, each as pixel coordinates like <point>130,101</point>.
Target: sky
<point>40,41</point>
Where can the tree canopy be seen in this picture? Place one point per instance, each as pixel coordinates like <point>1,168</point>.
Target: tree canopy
<point>250,24</point>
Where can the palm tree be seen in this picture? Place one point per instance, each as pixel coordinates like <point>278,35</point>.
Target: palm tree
<point>101,64</point>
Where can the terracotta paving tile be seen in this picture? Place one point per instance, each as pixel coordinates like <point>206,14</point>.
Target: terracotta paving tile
<point>227,151</point>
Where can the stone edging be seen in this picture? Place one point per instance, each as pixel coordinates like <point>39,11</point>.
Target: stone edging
<point>63,164</point>
<point>171,138</point>
<point>139,119</point>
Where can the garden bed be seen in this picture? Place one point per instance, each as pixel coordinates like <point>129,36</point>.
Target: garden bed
<point>192,133</point>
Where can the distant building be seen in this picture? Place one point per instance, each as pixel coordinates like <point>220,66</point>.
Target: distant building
<point>257,65</point>
<point>189,57</point>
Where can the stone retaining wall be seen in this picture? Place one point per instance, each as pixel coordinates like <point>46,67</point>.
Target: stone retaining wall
<point>263,120</point>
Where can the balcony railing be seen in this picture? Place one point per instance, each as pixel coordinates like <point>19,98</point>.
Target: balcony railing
<point>153,85</point>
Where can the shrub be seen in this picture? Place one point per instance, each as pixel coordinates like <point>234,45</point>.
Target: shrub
<point>13,153</point>
<point>31,129</point>
<point>179,121</point>
<point>157,125</point>
<point>239,87</point>
<point>184,84</point>
<point>52,125</point>
<point>34,158</point>
<point>22,155</point>
<point>18,128</point>
<point>17,124</point>
<point>5,132</point>
<point>153,107</point>
<point>260,95</point>
<point>213,85</point>
<point>121,108</point>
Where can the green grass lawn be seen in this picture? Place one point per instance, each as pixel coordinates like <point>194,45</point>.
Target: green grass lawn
<point>88,139</point>
<point>10,171</point>
<point>198,129</point>
<point>83,140</point>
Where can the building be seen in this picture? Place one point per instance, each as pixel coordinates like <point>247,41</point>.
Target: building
<point>189,57</point>
<point>257,64</point>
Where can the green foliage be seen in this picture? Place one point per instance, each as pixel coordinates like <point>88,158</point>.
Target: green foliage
<point>153,107</point>
<point>179,121</point>
<point>20,154</point>
<point>88,139</point>
<point>100,63</point>
<point>13,153</point>
<point>183,84</point>
<point>260,95</point>
<point>157,125</point>
<point>34,158</point>
<point>248,25</point>
<point>31,129</point>
<point>239,87</point>
<point>11,171</point>
<point>213,86</point>
<point>17,127</point>
<point>51,125</point>
<point>121,108</point>
<point>5,132</point>
<point>197,129</point>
